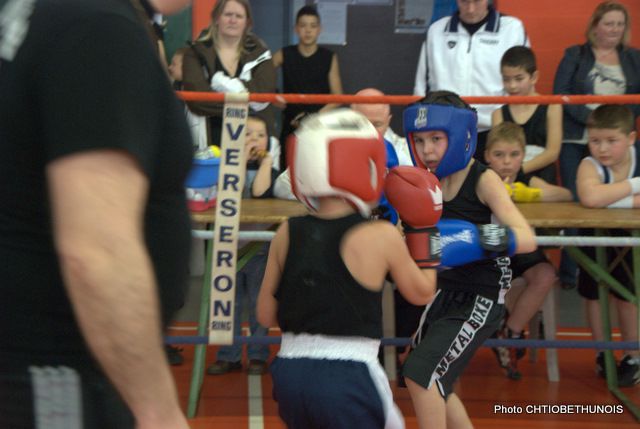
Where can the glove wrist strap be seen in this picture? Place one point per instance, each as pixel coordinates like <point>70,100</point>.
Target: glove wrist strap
<point>497,240</point>
<point>424,245</point>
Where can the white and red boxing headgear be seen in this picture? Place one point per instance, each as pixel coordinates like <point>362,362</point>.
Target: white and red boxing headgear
<point>338,153</point>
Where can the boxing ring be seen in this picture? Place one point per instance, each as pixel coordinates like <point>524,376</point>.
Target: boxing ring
<point>550,217</point>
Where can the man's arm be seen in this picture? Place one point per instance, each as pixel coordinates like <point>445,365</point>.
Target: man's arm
<point>97,200</point>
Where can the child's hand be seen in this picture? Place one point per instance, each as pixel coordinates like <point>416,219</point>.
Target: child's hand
<point>256,154</point>
<point>525,194</point>
<point>509,188</point>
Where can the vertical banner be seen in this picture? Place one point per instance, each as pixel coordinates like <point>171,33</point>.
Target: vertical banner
<point>227,222</point>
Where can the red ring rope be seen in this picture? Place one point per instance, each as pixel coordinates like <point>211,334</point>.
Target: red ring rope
<point>408,99</point>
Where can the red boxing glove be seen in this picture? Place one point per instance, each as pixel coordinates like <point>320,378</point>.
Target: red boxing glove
<point>415,193</point>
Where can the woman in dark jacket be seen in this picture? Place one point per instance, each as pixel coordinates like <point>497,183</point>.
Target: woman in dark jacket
<point>229,58</point>
<point>604,65</point>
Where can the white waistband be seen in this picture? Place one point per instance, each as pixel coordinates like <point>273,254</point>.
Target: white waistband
<point>359,349</point>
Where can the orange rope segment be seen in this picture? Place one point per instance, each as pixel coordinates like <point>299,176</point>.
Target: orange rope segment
<point>408,99</point>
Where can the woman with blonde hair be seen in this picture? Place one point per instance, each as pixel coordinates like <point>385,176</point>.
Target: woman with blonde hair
<point>604,65</point>
<point>228,57</point>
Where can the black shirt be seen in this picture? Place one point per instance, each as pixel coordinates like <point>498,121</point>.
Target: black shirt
<point>473,28</point>
<point>317,294</point>
<point>85,77</point>
<point>535,131</point>
<point>523,178</point>
<point>304,75</point>
<point>485,277</point>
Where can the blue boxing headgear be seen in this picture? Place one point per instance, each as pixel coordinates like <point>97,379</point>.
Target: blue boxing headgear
<point>460,125</point>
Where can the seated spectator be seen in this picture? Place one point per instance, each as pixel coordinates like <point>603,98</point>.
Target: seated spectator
<point>258,184</point>
<point>542,124</point>
<point>504,154</point>
<point>604,65</point>
<point>610,178</point>
<point>380,116</point>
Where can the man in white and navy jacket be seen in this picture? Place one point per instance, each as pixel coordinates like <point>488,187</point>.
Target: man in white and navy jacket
<point>462,54</point>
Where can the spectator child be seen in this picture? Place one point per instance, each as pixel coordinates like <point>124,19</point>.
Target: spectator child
<point>542,124</point>
<point>604,65</point>
<point>175,68</point>
<point>610,178</point>
<point>306,69</point>
<point>504,154</point>
<point>258,184</point>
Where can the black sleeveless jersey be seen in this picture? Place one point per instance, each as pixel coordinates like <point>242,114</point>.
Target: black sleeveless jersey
<point>486,277</point>
<point>317,294</point>
<point>304,75</point>
<point>535,131</point>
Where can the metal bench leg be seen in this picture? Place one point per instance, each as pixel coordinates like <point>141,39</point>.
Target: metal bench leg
<point>549,320</point>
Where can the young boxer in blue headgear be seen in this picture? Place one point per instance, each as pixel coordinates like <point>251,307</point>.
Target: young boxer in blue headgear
<point>325,272</point>
<point>441,132</point>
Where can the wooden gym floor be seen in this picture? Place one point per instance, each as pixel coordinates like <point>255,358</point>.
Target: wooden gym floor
<point>238,401</point>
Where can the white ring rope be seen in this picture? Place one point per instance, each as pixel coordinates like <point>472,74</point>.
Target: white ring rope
<point>551,240</point>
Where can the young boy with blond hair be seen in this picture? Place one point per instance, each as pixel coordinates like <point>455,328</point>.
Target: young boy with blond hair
<point>504,154</point>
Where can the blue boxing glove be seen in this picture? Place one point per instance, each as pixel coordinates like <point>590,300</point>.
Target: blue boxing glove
<point>464,242</point>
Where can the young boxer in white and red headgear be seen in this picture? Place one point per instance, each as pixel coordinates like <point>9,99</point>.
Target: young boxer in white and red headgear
<point>324,277</point>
